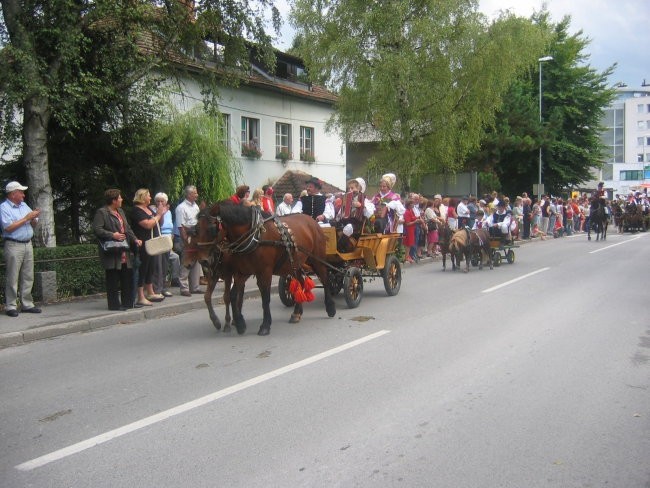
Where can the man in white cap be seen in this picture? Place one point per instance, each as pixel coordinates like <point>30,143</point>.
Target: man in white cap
<point>18,222</point>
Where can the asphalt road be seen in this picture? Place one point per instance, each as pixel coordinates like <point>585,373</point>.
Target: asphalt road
<point>532,374</point>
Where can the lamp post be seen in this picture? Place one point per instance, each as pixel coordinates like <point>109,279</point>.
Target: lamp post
<point>539,179</point>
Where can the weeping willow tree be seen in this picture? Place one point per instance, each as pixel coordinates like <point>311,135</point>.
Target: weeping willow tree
<point>190,149</point>
<point>422,77</point>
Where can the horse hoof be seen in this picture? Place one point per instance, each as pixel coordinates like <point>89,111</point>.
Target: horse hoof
<point>226,329</point>
<point>331,311</point>
<point>264,331</point>
<point>294,318</point>
<point>217,325</point>
<point>241,328</point>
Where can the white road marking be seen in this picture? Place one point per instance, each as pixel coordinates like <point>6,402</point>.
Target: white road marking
<point>614,245</point>
<point>488,290</point>
<point>186,407</point>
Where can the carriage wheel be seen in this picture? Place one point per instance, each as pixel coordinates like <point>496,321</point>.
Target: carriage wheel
<point>353,287</point>
<point>510,256</point>
<point>335,281</point>
<point>475,259</point>
<point>497,258</point>
<point>283,290</point>
<point>392,274</point>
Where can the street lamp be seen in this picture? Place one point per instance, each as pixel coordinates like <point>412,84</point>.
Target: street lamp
<point>539,179</point>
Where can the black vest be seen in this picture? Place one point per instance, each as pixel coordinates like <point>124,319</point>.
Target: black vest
<point>313,205</point>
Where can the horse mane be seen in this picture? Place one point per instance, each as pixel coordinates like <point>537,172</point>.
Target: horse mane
<point>234,213</point>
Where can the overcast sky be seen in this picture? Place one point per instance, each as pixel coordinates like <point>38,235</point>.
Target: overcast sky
<point>618,30</point>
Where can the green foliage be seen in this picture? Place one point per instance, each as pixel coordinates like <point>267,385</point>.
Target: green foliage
<point>90,69</point>
<point>424,78</point>
<point>574,96</point>
<point>186,149</point>
<point>78,270</point>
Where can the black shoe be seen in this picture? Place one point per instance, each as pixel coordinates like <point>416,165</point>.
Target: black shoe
<point>197,292</point>
<point>31,310</point>
<point>12,313</point>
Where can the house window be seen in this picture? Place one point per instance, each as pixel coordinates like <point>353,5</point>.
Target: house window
<point>639,158</point>
<point>282,138</point>
<point>630,175</point>
<point>250,134</point>
<point>639,141</point>
<point>307,143</point>
<point>641,124</point>
<point>639,108</point>
<point>647,141</point>
<point>223,129</point>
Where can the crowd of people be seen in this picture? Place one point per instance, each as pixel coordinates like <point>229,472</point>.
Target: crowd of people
<point>136,279</point>
<point>133,277</point>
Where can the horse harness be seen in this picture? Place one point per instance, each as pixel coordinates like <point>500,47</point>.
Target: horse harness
<point>251,240</point>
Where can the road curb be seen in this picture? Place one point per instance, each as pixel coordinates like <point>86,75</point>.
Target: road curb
<point>50,331</point>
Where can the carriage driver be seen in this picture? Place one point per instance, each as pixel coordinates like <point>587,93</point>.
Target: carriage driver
<point>499,222</point>
<point>314,203</point>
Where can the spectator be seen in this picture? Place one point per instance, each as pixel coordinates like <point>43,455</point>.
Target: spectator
<point>110,224</point>
<point>241,194</point>
<point>268,204</point>
<point>527,217</point>
<point>186,217</point>
<point>256,198</point>
<point>145,226</point>
<point>473,207</point>
<point>163,261</point>
<point>432,221</point>
<point>285,207</point>
<point>462,210</point>
<point>18,222</point>
<point>411,222</point>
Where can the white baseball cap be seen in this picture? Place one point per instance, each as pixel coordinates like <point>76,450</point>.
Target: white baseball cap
<point>13,186</point>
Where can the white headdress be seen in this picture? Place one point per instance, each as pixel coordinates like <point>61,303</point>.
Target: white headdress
<point>362,184</point>
<point>390,177</point>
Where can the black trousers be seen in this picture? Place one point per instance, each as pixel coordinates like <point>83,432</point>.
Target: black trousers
<point>119,288</point>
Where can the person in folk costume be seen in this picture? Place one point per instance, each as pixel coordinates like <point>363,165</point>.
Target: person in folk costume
<point>389,210</point>
<point>268,204</point>
<point>481,220</point>
<point>355,208</point>
<point>314,203</point>
<point>500,220</point>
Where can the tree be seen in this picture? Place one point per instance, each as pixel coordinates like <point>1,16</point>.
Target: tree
<point>75,62</point>
<point>574,96</point>
<point>423,77</point>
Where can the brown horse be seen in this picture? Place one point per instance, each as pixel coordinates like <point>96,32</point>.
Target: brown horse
<point>267,246</point>
<point>208,247</point>
<point>467,242</point>
<point>444,239</point>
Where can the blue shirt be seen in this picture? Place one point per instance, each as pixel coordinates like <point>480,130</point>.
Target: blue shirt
<point>167,225</point>
<point>10,213</point>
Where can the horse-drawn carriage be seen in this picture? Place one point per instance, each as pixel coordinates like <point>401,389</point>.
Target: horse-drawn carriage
<point>502,249</point>
<point>235,242</point>
<point>630,218</point>
<point>372,257</point>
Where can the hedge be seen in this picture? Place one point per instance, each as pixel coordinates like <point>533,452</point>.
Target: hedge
<point>78,270</point>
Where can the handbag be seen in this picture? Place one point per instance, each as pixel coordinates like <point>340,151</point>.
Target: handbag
<point>431,226</point>
<point>115,247</point>
<point>158,245</point>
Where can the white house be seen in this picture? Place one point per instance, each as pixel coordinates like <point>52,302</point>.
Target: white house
<point>279,116</point>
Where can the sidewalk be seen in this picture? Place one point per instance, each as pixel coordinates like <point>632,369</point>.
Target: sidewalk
<point>89,313</point>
